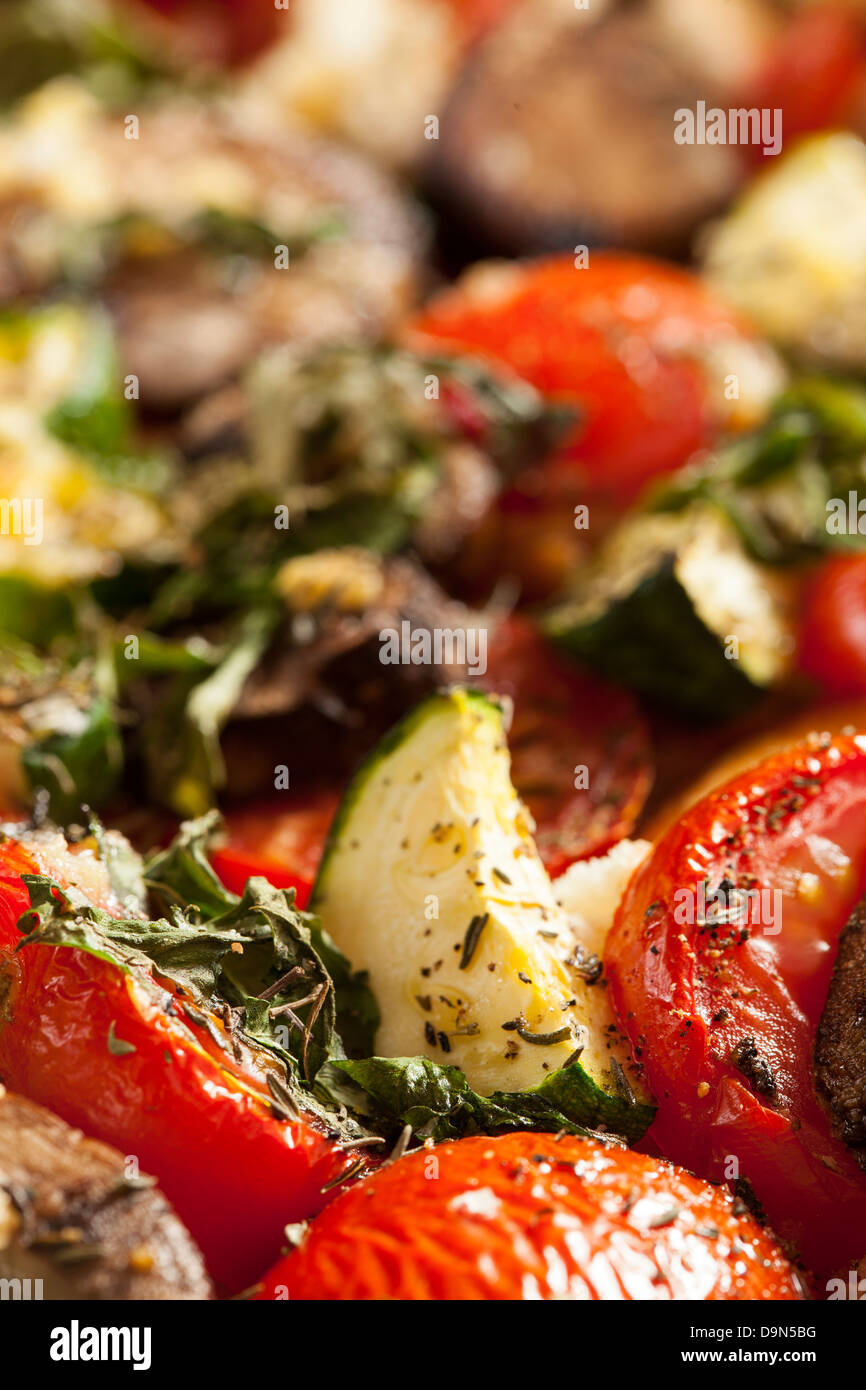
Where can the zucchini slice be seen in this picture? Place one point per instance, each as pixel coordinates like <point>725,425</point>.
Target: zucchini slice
<point>675,609</point>
<point>791,254</point>
<point>431,882</point>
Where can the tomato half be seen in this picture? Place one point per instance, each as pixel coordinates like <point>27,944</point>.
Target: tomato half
<point>815,71</point>
<point>723,1013</point>
<point>220,31</point>
<point>833,626</point>
<point>526,1216</point>
<point>475,18</point>
<point>126,1063</point>
<point>623,340</point>
<point>580,755</point>
<point>280,838</point>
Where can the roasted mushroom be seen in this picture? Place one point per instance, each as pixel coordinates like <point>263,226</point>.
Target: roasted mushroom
<point>78,1222</point>
<point>840,1045</point>
<point>519,156</point>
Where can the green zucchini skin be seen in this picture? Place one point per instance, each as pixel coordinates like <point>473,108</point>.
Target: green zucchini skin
<point>653,642</point>
<point>675,608</point>
<point>395,736</point>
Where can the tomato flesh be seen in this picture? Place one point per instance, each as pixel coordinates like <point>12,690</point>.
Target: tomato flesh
<point>221,31</point>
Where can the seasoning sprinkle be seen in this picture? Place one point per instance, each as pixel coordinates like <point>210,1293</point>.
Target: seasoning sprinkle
<point>470,940</point>
<point>282,1100</point>
<point>354,1172</point>
<point>401,1145</point>
<point>545,1039</point>
<point>117,1046</point>
<point>667,1218</point>
<point>621,1082</point>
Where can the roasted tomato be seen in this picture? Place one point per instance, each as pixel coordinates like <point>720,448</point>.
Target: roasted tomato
<point>719,963</point>
<point>219,31</point>
<point>119,1056</point>
<point>816,71</point>
<point>526,1216</point>
<point>627,341</point>
<point>475,18</point>
<point>281,838</point>
<point>580,755</point>
<point>833,626</point>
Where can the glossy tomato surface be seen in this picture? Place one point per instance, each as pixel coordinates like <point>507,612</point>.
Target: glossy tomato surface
<point>280,837</point>
<point>622,340</point>
<point>722,1007</point>
<point>815,73</point>
<point>527,1216</point>
<point>833,626</point>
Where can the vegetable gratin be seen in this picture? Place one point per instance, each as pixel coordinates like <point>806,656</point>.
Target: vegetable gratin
<point>433,653</point>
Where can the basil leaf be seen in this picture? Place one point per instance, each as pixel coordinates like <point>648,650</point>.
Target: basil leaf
<point>181,738</point>
<point>182,874</point>
<point>124,866</point>
<point>438,1102</point>
<point>273,951</point>
<point>27,607</point>
<point>777,484</point>
<point>274,939</point>
<point>50,38</point>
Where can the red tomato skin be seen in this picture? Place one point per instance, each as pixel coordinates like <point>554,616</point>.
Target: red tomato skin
<point>833,626</point>
<point>621,340</point>
<point>476,18</point>
<point>525,1216</point>
<point>684,1008</point>
<point>815,71</point>
<point>225,31</point>
<point>234,866</point>
<point>280,837</point>
<point>200,1123</point>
